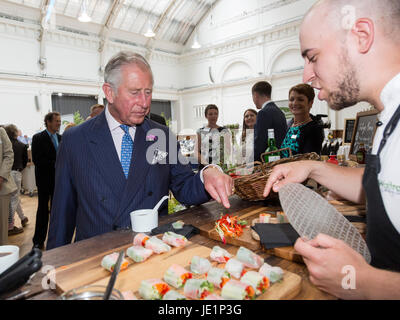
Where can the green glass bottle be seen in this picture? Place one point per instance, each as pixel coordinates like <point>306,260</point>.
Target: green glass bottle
<point>271,147</point>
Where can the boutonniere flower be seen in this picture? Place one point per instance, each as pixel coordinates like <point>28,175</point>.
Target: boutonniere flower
<point>151,137</point>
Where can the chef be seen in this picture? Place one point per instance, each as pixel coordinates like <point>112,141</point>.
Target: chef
<point>353,56</point>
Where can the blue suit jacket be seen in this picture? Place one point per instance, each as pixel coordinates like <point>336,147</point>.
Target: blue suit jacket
<point>92,193</point>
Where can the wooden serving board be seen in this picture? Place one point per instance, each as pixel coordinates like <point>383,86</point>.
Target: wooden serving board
<point>288,253</point>
<point>89,271</point>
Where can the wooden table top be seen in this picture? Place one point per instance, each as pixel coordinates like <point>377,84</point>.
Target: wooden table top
<point>204,213</point>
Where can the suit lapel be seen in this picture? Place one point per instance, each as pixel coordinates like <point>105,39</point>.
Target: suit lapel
<point>139,165</point>
<point>102,147</point>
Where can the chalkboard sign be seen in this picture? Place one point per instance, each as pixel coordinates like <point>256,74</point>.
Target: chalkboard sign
<point>348,130</point>
<point>364,130</point>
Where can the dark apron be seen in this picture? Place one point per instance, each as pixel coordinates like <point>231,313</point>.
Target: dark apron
<point>383,239</point>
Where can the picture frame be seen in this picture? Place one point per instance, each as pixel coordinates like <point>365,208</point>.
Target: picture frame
<point>348,131</point>
<point>364,130</point>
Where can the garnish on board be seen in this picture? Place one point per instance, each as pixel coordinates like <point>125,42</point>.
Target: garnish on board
<point>229,226</point>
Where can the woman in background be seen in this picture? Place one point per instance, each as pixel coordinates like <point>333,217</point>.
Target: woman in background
<point>305,133</point>
<point>247,141</point>
<point>208,137</point>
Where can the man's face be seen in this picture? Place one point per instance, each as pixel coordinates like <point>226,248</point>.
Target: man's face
<point>54,124</point>
<point>130,103</point>
<point>327,63</point>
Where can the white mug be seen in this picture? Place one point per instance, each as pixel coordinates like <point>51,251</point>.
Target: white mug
<point>144,220</point>
<point>8,260</point>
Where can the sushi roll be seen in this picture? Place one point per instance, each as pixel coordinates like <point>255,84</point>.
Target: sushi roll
<point>153,289</point>
<point>140,239</point>
<point>218,277</point>
<point>234,267</point>
<point>249,258</point>
<point>274,274</point>
<point>237,290</point>
<point>173,295</point>
<point>110,260</point>
<point>199,265</point>
<point>213,296</point>
<point>138,253</point>
<point>257,281</point>
<point>157,245</point>
<point>197,288</point>
<point>220,255</point>
<point>174,239</point>
<point>176,276</point>
<point>264,218</point>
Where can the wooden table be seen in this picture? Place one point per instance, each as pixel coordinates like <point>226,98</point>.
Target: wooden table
<point>207,212</point>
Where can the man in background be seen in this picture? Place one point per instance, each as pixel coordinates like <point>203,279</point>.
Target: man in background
<point>7,185</point>
<point>20,160</point>
<point>95,110</point>
<point>269,117</point>
<point>44,151</point>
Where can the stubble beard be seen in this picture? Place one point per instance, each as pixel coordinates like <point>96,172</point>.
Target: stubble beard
<point>348,92</point>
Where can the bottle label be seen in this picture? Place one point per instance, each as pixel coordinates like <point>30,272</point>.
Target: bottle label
<point>273,158</point>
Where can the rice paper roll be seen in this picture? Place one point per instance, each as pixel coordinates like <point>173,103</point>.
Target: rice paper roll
<point>153,289</point>
<point>157,245</point>
<point>234,267</point>
<point>249,258</point>
<point>274,274</point>
<point>174,239</point>
<point>256,280</point>
<point>173,295</point>
<point>199,265</point>
<point>220,255</point>
<point>218,277</point>
<point>110,260</point>
<point>140,239</point>
<point>213,296</point>
<point>176,276</point>
<point>178,224</point>
<point>237,290</point>
<point>138,253</point>
<point>197,288</point>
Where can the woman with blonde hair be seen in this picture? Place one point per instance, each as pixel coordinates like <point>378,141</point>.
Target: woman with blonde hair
<point>247,139</point>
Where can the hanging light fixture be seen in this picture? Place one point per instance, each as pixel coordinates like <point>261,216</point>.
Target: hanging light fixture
<point>196,44</point>
<point>83,16</point>
<point>149,33</point>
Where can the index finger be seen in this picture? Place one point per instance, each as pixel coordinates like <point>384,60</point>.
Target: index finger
<point>306,249</point>
<point>275,176</point>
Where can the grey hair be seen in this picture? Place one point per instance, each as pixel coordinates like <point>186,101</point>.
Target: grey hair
<point>112,72</point>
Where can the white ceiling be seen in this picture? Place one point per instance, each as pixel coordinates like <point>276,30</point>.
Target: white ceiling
<point>173,21</point>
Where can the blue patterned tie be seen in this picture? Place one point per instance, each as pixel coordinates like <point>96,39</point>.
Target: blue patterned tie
<point>126,150</point>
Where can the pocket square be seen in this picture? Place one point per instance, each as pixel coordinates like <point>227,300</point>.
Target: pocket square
<point>158,156</point>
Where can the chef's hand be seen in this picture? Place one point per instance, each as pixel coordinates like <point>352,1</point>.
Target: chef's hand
<point>294,172</point>
<point>218,185</point>
<point>333,265</point>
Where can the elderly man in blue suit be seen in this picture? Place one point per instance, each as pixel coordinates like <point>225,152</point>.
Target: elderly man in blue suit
<point>103,169</point>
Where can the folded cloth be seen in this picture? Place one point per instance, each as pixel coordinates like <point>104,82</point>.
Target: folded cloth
<point>283,234</point>
<point>276,235</point>
<point>188,230</point>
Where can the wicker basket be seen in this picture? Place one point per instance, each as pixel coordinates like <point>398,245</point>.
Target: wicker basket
<point>251,186</point>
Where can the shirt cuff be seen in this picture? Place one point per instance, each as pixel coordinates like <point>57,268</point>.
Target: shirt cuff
<point>213,165</point>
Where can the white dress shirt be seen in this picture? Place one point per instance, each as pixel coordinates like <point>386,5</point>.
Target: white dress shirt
<point>389,176</point>
<point>117,133</point>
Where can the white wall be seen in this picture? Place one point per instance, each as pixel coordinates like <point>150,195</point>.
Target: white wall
<point>243,42</point>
